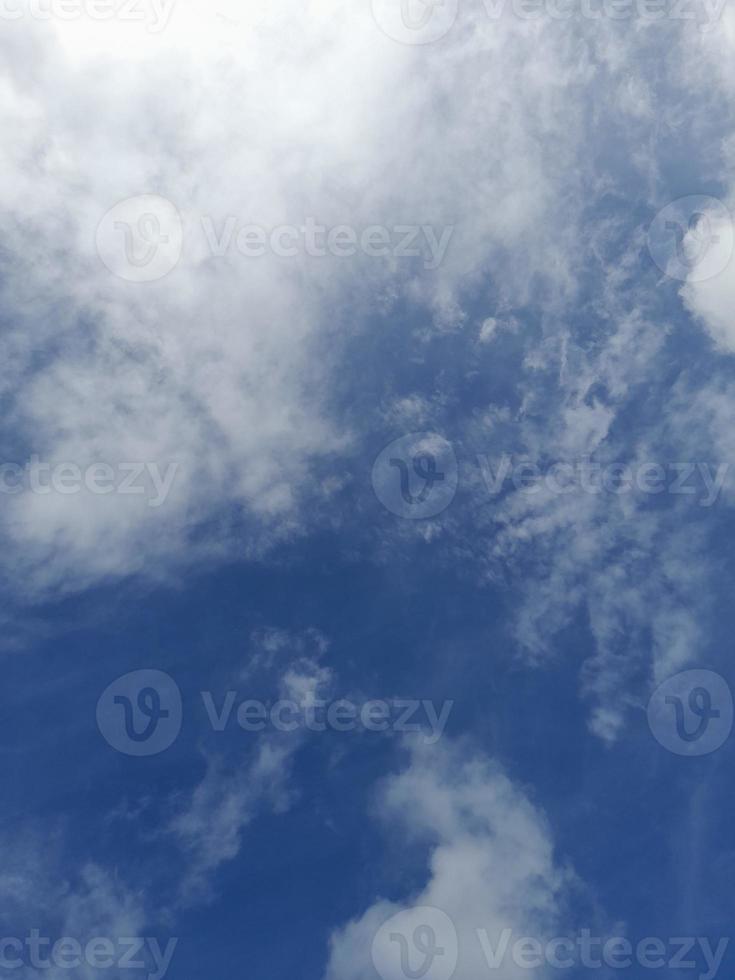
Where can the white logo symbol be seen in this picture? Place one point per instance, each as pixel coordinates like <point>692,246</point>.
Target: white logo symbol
<point>140,713</point>
<point>416,476</point>
<point>692,239</point>
<point>692,712</point>
<point>141,238</point>
<point>415,21</point>
<point>416,944</point>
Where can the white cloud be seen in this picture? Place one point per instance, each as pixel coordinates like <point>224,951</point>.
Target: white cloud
<point>209,825</point>
<point>223,366</point>
<point>711,299</point>
<point>491,862</point>
<point>85,903</point>
<point>630,571</point>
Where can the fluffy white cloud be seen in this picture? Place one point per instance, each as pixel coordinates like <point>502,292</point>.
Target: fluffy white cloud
<point>491,866</point>
<point>224,367</point>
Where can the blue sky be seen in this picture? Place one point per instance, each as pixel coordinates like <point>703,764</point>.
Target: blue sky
<point>463,459</point>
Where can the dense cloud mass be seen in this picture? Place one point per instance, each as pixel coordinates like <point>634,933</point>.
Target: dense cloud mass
<point>224,366</point>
